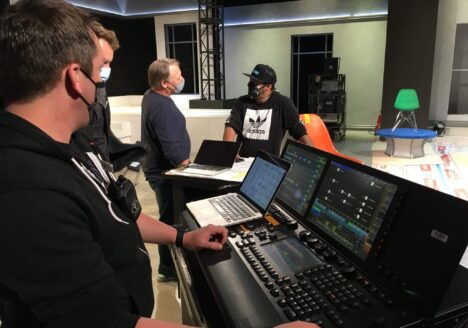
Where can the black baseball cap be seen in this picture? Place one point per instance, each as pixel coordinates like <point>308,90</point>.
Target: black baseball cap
<point>263,73</point>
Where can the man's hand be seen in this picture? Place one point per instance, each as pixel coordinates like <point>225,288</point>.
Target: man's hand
<point>210,237</point>
<point>298,324</point>
<point>183,163</point>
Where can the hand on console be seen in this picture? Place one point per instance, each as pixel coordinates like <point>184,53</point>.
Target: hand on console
<point>209,237</point>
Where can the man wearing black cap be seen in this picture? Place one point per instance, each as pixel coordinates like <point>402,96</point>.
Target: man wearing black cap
<point>261,118</point>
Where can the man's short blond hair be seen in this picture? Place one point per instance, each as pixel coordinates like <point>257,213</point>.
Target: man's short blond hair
<point>105,34</point>
<point>159,71</point>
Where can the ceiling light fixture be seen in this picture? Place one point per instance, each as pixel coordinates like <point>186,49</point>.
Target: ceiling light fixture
<point>130,14</point>
<point>307,19</point>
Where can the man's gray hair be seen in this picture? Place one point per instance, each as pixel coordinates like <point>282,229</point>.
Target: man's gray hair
<point>159,71</point>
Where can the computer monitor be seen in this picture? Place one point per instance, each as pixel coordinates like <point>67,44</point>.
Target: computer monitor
<point>350,207</point>
<point>330,85</point>
<point>300,183</point>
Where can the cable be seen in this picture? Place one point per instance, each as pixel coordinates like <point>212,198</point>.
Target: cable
<point>109,203</point>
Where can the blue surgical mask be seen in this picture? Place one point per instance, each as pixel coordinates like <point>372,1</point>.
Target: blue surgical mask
<point>105,73</point>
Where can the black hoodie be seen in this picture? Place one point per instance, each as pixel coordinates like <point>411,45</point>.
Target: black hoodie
<point>68,256</point>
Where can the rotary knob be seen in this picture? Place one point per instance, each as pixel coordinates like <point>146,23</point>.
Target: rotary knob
<point>311,241</point>
<point>303,235</point>
<point>292,224</point>
<point>329,254</point>
<point>348,271</point>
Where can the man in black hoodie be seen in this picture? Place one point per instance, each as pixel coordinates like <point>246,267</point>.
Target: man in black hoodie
<point>71,256</point>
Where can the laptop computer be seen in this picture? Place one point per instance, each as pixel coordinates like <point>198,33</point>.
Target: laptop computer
<point>213,157</point>
<point>256,193</point>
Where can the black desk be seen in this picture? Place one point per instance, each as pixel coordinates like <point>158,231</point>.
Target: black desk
<point>186,189</point>
<point>225,294</point>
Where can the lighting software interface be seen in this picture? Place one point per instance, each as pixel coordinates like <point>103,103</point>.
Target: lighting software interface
<point>262,181</point>
<point>300,182</point>
<point>350,207</point>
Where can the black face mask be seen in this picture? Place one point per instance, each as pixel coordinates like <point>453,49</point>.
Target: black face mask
<point>253,90</point>
<point>96,109</point>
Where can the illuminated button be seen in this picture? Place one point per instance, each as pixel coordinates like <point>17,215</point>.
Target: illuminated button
<point>290,314</point>
<point>269,284</point>
<point>282,303</point>
<point>275,292</point>
<point>263,277</point>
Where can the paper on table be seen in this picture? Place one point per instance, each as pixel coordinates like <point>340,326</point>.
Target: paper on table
<point>236,173</point>
<point>464,260</point>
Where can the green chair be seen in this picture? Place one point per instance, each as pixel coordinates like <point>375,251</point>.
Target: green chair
<point>406,103</point>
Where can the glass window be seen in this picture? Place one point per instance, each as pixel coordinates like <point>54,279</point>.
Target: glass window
<point>458,101</point>
<point>181,44</point>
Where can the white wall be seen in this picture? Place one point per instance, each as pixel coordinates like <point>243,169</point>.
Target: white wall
<point>201,123</point>
<point>451,13</point>
<point>177,18</point>
<point>361,46</point>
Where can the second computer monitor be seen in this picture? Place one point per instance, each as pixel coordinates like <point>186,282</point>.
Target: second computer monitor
<point>301,181</point>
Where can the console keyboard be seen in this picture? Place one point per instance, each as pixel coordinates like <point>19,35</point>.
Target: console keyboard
<point>321,294</point>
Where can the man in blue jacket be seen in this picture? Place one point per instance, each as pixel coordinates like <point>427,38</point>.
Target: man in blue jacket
<point>165,137</point>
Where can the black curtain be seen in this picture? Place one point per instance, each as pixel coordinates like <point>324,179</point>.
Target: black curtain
<point>3,5</point>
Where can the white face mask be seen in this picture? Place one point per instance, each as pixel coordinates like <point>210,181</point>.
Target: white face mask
<point>105,73</point>
<point>178,87</point>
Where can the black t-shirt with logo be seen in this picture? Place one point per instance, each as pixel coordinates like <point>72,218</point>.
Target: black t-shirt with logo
<point>262,126</point>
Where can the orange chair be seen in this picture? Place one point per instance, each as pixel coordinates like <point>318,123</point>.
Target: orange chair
<point>318,133</point>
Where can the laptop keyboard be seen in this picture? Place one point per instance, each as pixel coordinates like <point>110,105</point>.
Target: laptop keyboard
<point>206,167</point>
<point>232,208</point>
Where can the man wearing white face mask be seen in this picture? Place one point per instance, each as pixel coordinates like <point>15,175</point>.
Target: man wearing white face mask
<point>98,133</point>
<point>166,140</point>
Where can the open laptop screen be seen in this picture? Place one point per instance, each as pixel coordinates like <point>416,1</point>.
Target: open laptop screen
<point>263,180</point>
<point>217,153</point>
